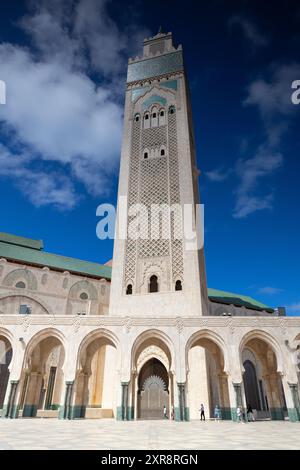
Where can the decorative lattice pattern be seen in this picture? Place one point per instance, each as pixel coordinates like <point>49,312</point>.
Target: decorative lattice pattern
<point>130,252</point>
<point>176,223</point>
<point>154,190</point>
<point>154,137</point>
<point>154,181</point>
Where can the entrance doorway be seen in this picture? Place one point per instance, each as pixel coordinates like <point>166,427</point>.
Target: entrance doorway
<point>153,390</point>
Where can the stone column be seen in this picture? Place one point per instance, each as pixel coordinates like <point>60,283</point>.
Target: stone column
<point>236,397</point>
<point>32,397</point>
<point>124,401</point>
<point>11,408</point>
<point>275,406</point>
<point>67,410</point>
<point>135,397</point>
<point>224,396</point>
<point>292,400</point>
<point>182,413</point>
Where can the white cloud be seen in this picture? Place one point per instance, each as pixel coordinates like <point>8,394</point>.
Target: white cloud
<point>219,174</point>
<point>272,98</point>
<point>55,111</point>
<point>250,172</point>
<point>269,290</point>
<point>249,30</point>
<point>294,307</point>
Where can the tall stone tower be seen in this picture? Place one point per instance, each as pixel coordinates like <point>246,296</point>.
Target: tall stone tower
<point>160,275</point>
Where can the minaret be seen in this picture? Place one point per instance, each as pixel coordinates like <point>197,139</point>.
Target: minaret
<point>158,276</point>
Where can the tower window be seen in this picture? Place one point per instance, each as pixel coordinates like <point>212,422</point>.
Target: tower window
<point>154,115</point>
<point>21,285</point>
<point>129,289</point>
<point>137,118</point>
<point>162,152</point>
<point>162,113</point>
<point>153,285</point>
<point>178,285</point>
<point>147,116</point>
<point>171,110</point>
<point>145,154</point>
<point>84,296</point>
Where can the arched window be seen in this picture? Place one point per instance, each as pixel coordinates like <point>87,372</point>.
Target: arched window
<point>145,154</point>
<point>162,152</point>
<point>146,120</point>
<point>162,120</point>
<point>84,296</point>
<point>129,289</point>
<point>137,118</point>
<point>171,109</point>
<point>153,285</point>
<point>178,285</point>
<point>21,285</point>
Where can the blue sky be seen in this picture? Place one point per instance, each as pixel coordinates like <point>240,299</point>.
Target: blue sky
<point>64,63</point>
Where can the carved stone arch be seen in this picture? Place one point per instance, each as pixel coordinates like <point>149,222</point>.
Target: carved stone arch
<point>31,298</point>
<point>208,336</point>
<point>22,274</point>
<point>154,379</point>
<point>166,94</point>
<point>55,338</point>
<point>156,338</point>
<point>101,334</point>
<point>266,338</point>
<point>83,286</point>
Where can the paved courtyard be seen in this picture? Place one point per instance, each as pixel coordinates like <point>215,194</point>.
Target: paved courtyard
<point>110,434</point>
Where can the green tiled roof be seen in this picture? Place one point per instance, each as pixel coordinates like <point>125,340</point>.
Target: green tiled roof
<point>28,251</point>
<point>236,299</point>
<point>24,253</point>
<point>21,241</point>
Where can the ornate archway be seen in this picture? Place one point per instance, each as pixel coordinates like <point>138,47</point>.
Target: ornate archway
<point>153,390</point>
<point>5,360</point>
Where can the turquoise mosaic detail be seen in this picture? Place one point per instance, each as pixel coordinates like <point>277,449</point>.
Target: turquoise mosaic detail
<point>148,68</point>
<point>154,99</point>
<point>29,411</point>
<point>277,414</point>
<point>137,92</point>
<point>14,412</point>
<point>294,415</point>
<point>129,413</point>
<point>75,412</point>
<point>171,84</point>
<point>226,413</point>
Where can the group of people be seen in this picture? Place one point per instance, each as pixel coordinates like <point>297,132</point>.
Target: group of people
<point>241,415</point>
<point>217,413</point>
<point>171,413</point>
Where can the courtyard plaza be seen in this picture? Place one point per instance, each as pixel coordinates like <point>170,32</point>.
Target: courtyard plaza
<point>108,434</point>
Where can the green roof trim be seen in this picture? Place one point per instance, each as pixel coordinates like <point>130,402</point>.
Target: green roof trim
<point>21,241</point>
<point>237,299</point>
<point>62,263</point>
<point>29,251</point>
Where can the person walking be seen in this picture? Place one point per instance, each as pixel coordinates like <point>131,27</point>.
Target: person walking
<point>250,415</point>
<point>217,413</point>
<point>172,412</point>
<point>202,412</point>
<point>165,412</point>
<point>239,413</point>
